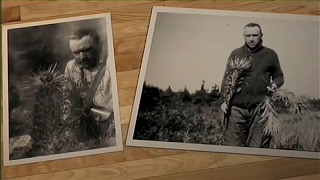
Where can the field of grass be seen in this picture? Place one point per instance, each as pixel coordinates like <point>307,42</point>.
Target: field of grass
<point>196,118</point>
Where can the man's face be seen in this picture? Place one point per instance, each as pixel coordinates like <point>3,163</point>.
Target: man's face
<point>252,36</point>
<point>85,51</point>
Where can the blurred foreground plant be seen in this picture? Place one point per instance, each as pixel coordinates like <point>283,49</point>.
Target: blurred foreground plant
<point>281,100</point>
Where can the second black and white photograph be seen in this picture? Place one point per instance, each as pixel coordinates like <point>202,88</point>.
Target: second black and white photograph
<point>60,97</point>
<point>229,81</point>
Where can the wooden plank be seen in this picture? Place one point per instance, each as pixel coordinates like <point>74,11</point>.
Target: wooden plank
<point>12,3</point>
<point>303,7</point>
<point>10,14</point>
<point>308,177</point>
<point>131,10</point>
<point>129,27</point>
<point>153,167</point>
<point>127,79</point>
<point>264,170</point>
<point>126,96</point>
<point>128,62</point>
<point>125,114</point>
<point>129,45</point>
<point>129,154</point>
<point>133,21</point>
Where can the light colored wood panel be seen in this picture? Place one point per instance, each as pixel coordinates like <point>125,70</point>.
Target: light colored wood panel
<point>129,38</point>
<point>127,79</point>
<point>315,12</point>
<point>129,42</point>
<point>12,3</point>
<point>10,14</point>
<point>308,177</point>
<point>125,121</point>
<point>259,6</point>
<point>128,28</point>
<point>127,62</point>
<point>129,154</point>
<point>125,44</point>
<point>265,170</point>
<point>134,13</point>
<point>125,112</point>
<point>126,96</point>
<point>153,167</point>
<point>49,9</point>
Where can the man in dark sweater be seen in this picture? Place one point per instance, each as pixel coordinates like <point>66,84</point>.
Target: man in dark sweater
<point>243,115</point>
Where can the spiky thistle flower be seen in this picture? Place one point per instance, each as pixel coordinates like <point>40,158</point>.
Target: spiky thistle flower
<point>236,68</point>
<point>44,87</point>
<point>44,78</point>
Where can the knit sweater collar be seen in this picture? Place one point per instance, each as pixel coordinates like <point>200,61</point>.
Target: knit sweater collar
<point>256,49</point>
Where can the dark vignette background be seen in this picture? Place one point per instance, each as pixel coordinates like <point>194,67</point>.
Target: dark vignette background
<point>31,47</point>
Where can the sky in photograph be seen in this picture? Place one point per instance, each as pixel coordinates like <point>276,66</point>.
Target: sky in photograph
<point>187,49</point>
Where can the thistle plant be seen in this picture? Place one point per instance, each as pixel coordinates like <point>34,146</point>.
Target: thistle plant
<point>76,119</point>
<point>273,101</point>
<point>236,69</point>
<point>271,106</point>
<point>73,136</point>
<point>55,125</point>
<point>45,87</point>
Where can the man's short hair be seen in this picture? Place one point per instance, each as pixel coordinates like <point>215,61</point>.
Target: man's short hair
<point>253,25</point>
<point>81,32</point>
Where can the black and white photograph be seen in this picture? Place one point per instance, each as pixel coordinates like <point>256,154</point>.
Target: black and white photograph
<point>230,82</point>
<point>60,97</point>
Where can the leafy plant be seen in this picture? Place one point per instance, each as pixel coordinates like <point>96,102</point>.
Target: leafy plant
<point>235,71</point>
<point>236,68</point>
<point>275,102</point>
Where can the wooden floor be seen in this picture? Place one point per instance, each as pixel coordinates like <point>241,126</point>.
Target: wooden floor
<point>130,22</point>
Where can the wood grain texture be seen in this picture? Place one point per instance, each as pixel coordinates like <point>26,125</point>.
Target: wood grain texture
<point>130,22</point>
<point>152,167</point>
<point>306,8</point>
<point>10,14</point>
<point>127,10</point>
<point>14,3</point>
<point>308,177</point>
<point>264,170</point>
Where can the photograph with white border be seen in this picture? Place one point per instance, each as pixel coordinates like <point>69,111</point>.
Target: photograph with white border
<point>60,95</point>
<point>229,81</point>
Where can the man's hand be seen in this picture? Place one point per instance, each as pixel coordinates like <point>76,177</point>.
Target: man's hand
<point>273,87</point>
<point>224,107</point>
